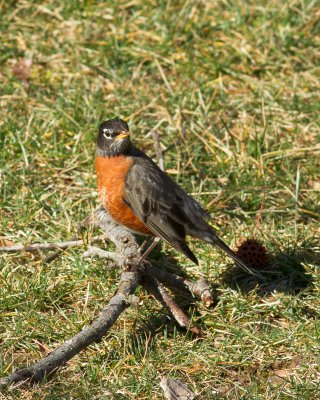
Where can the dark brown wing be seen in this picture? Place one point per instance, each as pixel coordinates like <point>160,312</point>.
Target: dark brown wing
<point>161,204</point>
<point>167,210</point>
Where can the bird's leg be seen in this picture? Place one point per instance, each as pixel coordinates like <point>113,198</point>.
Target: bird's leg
<point>141,247</point>
<point>155,241</point>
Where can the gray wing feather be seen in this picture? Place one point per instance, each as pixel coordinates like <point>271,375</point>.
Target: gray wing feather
<point>161,204</point>
<point>167,210</point>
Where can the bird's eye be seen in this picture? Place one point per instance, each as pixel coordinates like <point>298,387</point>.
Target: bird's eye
<point>107,133</point>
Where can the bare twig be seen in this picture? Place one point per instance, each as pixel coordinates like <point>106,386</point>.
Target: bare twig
<point>86,223</point>
<point>96,251</point>
<point>90,334</point>
<point>129,259</point>
<point>131,274</point>
<point>200,288</point>
<point>48,246</point>
<point>157,146</point>
<point>162,295</point>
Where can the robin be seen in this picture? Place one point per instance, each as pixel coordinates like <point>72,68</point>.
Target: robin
<point>140,196</point>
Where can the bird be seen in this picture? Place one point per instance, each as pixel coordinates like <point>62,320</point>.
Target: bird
<point>140,196</point>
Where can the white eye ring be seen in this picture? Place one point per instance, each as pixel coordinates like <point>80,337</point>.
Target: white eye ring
<point>107,133</point>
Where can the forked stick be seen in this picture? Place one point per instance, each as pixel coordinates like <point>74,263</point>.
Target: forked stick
<point>134,271</point>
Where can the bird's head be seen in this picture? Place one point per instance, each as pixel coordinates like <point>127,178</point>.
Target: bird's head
<point>113,138</point>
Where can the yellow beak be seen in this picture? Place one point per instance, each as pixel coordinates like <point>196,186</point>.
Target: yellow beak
<point>123,135</point>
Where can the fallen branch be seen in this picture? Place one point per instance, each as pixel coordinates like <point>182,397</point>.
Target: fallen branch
<point>130,277</point>
<point>48,246</point>
<point>200,288</point>
<point>90,334</point>
<point>97,252</point>
<point>134,271</point>
<point>89,221</point>
<point>162,295</point>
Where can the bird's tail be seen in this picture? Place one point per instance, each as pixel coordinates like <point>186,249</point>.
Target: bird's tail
<point>223,246</point>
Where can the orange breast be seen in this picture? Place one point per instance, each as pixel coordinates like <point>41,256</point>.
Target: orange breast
<point>111,173</point>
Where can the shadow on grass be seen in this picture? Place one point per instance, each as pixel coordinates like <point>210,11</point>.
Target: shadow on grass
<point>286,272</point>
<point>158,319</point>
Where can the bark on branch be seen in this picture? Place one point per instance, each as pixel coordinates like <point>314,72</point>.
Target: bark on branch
<point>90,334</point>
<point>48,246</point>
<point>134,272</point>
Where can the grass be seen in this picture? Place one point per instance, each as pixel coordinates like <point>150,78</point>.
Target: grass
<point>232,87</point>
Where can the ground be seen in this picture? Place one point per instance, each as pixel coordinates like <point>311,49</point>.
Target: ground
<point>232,88</point>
